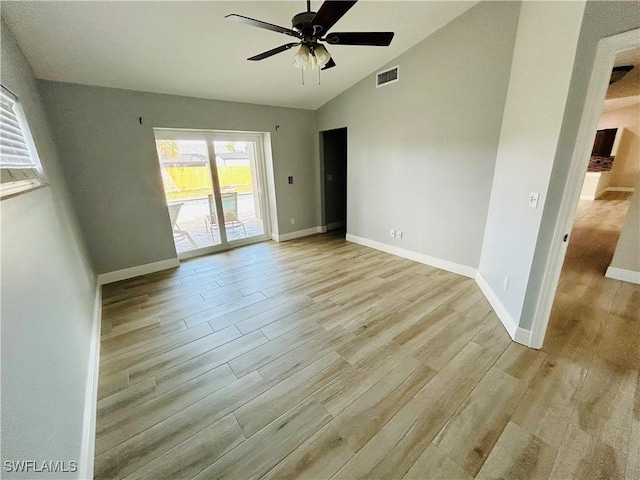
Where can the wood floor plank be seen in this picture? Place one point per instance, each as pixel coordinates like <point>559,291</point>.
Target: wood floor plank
<point>106,466</point>
<point>262,355</point>
<point>111,383</point>
<point>604,406</point>
<point>435,464</point>
<point>319,457</point>
<point>583,457</point>
<point>374,408</point>
<point>143,447</point>
<point>262,320</point>
<point>469,438</point>
<point>518,455</point>
<point>126,399</point>
<point>398,445</point>
<point>118,428</point>
<point>295,360</point>
<point>214,314</point>
<point>260,453</point>
<point>157,364</point>
<point>265,408</point>
<point>130,340</point>
<point>151,349</point>
<point>181,373</point>
<point>545,410</point>
<point>194,454</point>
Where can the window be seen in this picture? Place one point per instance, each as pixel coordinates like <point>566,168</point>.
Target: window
<point>19,166</point>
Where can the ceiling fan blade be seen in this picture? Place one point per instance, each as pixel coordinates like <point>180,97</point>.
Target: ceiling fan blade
<point>329,64</point>
<point>375,39</point>
<point>260,24</point>
<point>273,51</point>
<point>330,12</point>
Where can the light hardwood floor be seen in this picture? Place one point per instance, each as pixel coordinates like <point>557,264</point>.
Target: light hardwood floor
<point>319,358</point>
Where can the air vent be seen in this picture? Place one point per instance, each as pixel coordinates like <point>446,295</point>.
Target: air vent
<point>388,76</point>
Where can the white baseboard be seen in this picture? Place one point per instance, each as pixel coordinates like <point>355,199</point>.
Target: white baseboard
<point>336,225</point>
<point>87,451</point>
<point>300,233</point>
<point>516,333</point>
<point>608,189</point>
<point>624,275</point>
<point>132,272</point>
<point>415,256</point>
<point>621,189</point>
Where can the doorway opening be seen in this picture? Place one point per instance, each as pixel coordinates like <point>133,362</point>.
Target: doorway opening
<point>572,216</point>
<point>333,148</point>
<point>215,189</point>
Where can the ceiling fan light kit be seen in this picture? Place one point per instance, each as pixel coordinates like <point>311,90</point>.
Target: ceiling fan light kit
<point>311,28</point>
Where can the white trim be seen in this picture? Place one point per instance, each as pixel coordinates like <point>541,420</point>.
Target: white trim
<point>87,450</point>
<point>598,84</point>
<point>300,233</point>
<point>335,225</point>
<point>516,333</point>
<point>397,79</point>
<point>523,337</point>
<point>608,189</point>
<point>623,274</point>
<point>132,272</point>
<point>510,325</point>
<point>620,189</point>
<point>415,256</point>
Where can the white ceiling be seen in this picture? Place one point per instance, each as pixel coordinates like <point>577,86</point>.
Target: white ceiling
<point>625,91</point>
<point>189,48</point>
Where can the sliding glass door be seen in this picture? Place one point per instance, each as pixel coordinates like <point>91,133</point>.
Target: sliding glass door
<point>214,186</point>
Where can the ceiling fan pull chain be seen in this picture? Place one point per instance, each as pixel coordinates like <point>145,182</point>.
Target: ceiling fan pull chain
<point>302,70</point>
<point>319,75</point>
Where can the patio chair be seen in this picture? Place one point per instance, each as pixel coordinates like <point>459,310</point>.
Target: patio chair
<point>178,234</point>
<point>230,209</point>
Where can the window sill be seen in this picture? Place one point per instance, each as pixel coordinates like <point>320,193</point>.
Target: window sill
<point>7,196</point>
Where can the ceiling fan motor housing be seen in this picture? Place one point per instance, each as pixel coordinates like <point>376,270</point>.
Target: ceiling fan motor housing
<point>302,22</point>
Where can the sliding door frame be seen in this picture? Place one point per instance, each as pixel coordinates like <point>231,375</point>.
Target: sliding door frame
<point>210,136</point>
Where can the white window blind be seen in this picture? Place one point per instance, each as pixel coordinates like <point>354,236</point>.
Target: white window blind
<point>19,165</point>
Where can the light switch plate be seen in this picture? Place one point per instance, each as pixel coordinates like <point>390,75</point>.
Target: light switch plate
<point>533,199</point>
<point>392,233</point>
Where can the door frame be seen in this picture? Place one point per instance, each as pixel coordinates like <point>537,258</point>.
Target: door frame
<point>604,60</point>
<point>209,136</point>
<point>323,179</point>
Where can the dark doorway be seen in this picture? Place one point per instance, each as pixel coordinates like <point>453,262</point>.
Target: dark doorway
<point>334,158</point>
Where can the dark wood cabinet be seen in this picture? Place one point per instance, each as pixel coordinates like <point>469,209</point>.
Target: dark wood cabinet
<point>603,144</point>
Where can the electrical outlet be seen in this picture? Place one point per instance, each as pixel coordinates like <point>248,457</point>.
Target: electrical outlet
<point>329,177</point>
<point>505,283</point>
<point>293,221</point>
<point>533,199</point>
<point>392,233</point>
<point>290,179</point>
<point>399,234</point>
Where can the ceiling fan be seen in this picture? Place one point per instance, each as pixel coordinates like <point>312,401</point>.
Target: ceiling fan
<point>311,28</point>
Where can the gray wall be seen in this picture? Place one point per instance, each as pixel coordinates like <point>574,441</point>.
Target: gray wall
<point>540,77</point>
<point>422,151</point>
<point>48,293</point>
<point>626,167</point>
<point>627,254</point>
<point>601,19</point>
<point>110,160</point>
<point>334,153</point>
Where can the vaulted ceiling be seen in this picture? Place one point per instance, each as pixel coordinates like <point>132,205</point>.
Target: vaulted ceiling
<point>189,48</point>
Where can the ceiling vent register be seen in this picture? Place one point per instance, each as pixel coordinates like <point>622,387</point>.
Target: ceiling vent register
<point>387,77</point>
